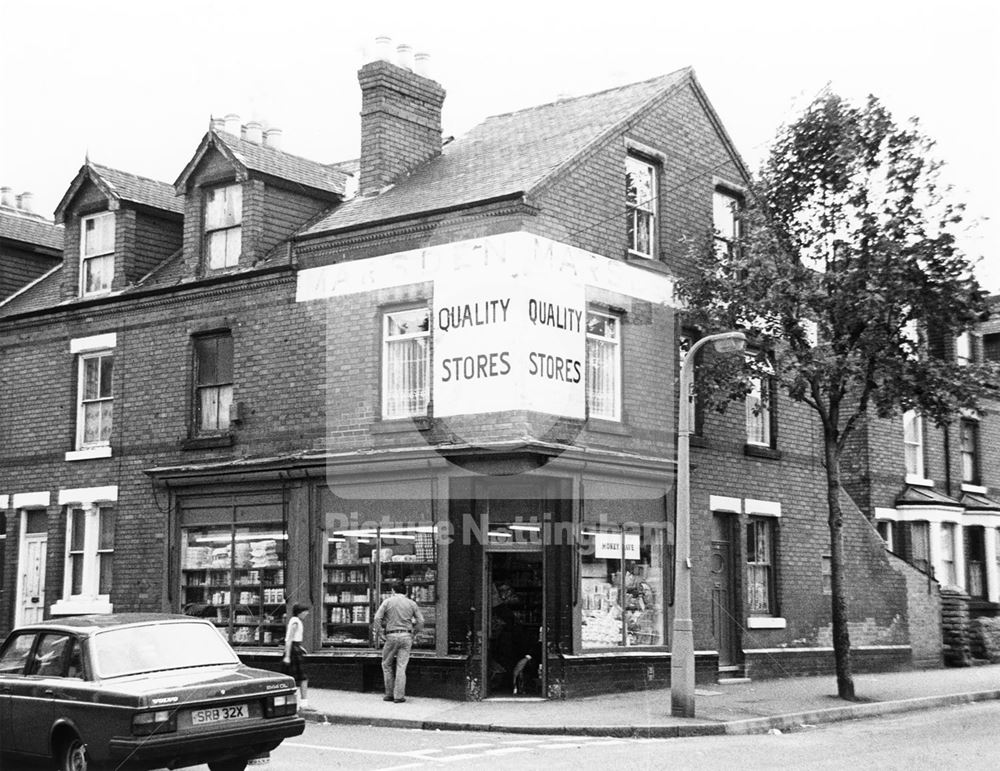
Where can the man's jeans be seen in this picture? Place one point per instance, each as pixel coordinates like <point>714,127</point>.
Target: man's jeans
<point>395,657</point>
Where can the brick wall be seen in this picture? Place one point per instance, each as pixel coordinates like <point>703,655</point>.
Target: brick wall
<point>924,614</point>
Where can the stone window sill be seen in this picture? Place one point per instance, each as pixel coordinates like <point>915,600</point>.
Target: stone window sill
<point>603,426</point>
<point>765,622</point>
<point>91,453</point>
<point>401,425</point>
<point>757,451</point>
<point>207,442</point>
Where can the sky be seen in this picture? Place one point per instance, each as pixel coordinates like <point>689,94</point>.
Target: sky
<point>132,84</point>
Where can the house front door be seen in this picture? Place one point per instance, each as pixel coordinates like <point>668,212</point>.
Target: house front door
<point>31,603</point>
<point>723,588</point>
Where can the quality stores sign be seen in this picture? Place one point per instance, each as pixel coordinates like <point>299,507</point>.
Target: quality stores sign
<point>509,343</point>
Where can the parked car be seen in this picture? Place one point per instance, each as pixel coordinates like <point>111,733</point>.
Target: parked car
<point>137,691</point>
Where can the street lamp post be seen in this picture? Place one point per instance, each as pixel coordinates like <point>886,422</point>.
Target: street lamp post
<point>682,639</point>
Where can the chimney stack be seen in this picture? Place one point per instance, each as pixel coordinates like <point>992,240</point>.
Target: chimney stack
<point>7,197</point>
<point>232,124</point>
<point>272,138</point>
<point>218,124</point>
<point>400,119</point>
<point>254,132</point>
<point>25,201</point>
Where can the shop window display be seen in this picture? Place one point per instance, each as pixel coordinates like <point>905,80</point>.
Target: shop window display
<point>236,577</point>
<point>621,586</point>
<point>362,564</point>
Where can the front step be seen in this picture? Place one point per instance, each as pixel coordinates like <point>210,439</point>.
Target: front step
<point>731,674</point>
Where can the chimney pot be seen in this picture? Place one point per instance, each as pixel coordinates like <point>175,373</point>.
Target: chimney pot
<point>218,124</point>
<point>24,202</point>
<point>383,48</point>
<point>232,124</point>
<point>422,64</point>
<point>272,138</point>
<point>404,56</point>
<point>254,132</point>
<point>7,196</point>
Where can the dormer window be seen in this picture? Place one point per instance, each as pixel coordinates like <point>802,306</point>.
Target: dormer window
<point>223,226</point>
<point>97,258</point>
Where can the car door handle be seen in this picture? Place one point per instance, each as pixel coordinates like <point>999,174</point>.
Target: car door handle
<point>49,692</point>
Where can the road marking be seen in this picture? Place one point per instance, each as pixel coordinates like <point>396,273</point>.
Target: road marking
<point>507,750</point>
<point>360,750</point>
<point>469,746</point>
<point>453,758</point>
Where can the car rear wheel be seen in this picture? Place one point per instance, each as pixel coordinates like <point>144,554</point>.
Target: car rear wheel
<point>73,756</point>
<point>228,765</point>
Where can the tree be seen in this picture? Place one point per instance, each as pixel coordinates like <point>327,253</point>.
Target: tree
<point>846,256</point>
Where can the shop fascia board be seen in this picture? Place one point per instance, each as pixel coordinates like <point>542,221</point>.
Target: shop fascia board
<point>390,460</point>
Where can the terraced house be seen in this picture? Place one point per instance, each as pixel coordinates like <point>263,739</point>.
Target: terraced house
<point>448,367</point>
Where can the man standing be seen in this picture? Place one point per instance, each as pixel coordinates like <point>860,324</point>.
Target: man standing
<point>399,618</point>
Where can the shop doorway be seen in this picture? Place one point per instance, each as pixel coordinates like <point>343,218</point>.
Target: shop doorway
<point>723,586</point>
<point>515,623</point>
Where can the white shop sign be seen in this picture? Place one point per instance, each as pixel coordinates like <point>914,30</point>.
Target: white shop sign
<point>509,343</point>
<point>609,546</point>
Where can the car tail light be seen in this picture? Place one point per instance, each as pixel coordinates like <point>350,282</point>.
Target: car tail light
<point>160,722</point>
<point>279,706</point>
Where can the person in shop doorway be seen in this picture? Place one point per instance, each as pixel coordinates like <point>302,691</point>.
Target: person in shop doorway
<point>398,619</point>
<point>295,653</point>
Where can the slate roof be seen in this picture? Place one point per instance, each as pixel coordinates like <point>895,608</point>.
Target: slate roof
<point>122,186</point>
<point>41,293</point>
<point>30,230</point>
<point>913,495</point>
<point>504,155</point>
<point>268,160</point>
<point>979,502</point>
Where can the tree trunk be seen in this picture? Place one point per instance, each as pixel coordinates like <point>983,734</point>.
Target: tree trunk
<point>841,632</point>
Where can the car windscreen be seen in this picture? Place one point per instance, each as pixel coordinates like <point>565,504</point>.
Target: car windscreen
<point>133,650</point>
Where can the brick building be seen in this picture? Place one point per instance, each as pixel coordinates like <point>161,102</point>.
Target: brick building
<point>445,367</point>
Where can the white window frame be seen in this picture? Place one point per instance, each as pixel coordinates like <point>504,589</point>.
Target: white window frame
<point>971,460</point>
<point>82,401</point>
<point>224,222</point>
<point>913,447</point>
<point>605,406</point>
<point>416,403</point>
<point>769,525</point>
<point>889,536</point>
<point>98,259</point>
<point>759,410</point>
<point>86,503</point>
<point>640,209</point>
<point>963,349</point>
<point>949,554</point>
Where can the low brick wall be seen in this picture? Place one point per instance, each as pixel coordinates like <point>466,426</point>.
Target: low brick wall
<point>800,662</point>
<point>955,627</point>
<point>578,676</point>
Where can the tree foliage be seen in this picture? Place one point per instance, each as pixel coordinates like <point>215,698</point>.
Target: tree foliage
<point>848,271</point>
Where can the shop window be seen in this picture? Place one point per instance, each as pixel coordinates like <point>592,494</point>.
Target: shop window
<point>223,226</point>
<point>621,586</point>
<point>213,382</point>
<point>640,203</point>
<point>362,564</point>
<point>948,575</point>
<point>405,363</point>
<point>970,451</point>
<point>913,443</point>
<point>760,567</point>
<point>725,221</point>
<point>887,530</point>
<point>90,546</point>
<point>920,545</point>
<point>234,575</point>
<point>95,406</point>
<point>603,366</point>
<point>97,259</point>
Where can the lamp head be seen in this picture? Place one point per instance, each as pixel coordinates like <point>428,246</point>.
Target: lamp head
<point>731,342</point>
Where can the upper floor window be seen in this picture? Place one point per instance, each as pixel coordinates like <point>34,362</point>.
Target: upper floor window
<point>640,200</point>
<point>970,451</point>
<point>760,566</point>
<point>760,415</point>
<point>213,381</point>
<point>991,347</point>
<point>963,348</point>
<point>913,444</point>
<point>97,259</point>
<point>725,220</point>
<point>223,225</point>
<point>94,408</point>
<point>603,366</point>
<point>405,363</point>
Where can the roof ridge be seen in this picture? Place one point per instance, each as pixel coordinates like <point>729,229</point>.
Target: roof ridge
<point>128,173</point>
<point>275,149</point>
<point>623,86</point>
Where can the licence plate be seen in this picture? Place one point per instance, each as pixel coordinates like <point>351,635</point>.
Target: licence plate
<point>219,714</point>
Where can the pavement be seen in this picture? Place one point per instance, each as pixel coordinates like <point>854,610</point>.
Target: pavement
<point>755,706</point>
